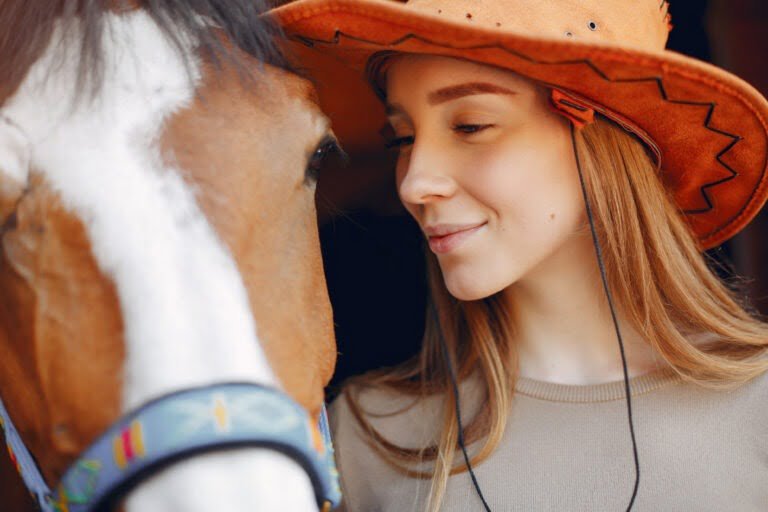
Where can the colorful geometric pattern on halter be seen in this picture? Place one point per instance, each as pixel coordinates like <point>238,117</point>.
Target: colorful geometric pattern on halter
<point>189,422</point>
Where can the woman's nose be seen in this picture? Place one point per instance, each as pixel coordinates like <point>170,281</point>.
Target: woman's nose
<point>426,177</point>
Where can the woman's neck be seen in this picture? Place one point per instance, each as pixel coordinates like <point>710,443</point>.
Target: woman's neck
<point>563,328</point>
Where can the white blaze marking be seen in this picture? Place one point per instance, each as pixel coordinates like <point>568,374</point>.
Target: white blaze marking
<point>14,155</point>
<point>186,312</point>
<point>185,309</point>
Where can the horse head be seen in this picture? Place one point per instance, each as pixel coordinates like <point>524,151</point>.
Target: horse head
<point>157,170</point>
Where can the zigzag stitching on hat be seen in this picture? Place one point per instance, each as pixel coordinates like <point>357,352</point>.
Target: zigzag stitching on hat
<point>310,42</point>
<point>708,119</point>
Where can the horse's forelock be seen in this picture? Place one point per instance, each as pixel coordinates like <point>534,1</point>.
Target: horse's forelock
<point>26,27</point>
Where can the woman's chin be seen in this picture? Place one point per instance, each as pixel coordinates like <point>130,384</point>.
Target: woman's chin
<point>468,289</point>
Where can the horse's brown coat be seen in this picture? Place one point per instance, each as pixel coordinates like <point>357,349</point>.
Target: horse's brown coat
<point>60,331</point>
<point>244,147</point>
<point>252,188</point>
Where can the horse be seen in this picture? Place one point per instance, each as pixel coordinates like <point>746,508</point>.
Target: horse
<point>158,232</point>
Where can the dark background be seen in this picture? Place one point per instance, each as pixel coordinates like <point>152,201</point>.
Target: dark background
<point>373,253</point>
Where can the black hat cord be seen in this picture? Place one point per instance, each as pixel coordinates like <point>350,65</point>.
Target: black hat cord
<point>606,288</point>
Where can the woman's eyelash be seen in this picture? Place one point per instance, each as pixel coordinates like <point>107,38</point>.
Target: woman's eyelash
<point>399,142</point>
<point>468,129</point>
<point>471,128</point>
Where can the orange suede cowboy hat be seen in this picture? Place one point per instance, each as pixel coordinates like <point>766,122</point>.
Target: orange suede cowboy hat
<point>707,127</point>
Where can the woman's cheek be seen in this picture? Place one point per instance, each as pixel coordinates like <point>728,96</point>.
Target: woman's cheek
<point>500,184</point>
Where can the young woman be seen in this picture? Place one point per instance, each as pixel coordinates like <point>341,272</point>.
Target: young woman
<point>567,174</point>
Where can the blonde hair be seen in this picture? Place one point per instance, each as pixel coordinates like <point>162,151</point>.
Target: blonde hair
<point>661,283</point>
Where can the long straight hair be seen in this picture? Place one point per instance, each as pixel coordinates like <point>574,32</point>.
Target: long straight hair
<point>661,282</point>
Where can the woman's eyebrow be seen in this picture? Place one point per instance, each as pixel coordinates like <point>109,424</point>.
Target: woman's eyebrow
<point>453,92</point>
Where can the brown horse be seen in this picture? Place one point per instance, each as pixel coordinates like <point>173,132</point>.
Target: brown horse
<point>157,170</point>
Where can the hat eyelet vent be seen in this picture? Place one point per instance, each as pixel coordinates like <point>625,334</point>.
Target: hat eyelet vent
<point>592,26</point>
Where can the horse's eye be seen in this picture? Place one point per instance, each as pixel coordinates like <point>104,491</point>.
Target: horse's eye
<point>327,151</point>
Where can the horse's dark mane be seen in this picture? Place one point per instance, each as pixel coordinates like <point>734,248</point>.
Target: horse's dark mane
<point>26,25</point>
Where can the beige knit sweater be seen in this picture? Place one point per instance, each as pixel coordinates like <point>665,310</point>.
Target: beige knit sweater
<point>568,448</point>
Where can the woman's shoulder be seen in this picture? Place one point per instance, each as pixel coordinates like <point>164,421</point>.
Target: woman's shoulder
<point>752,395</point>
<point>399,417</point>
<point>739,410</point>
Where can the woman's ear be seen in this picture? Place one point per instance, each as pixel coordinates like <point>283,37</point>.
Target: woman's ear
<point>15,154</point>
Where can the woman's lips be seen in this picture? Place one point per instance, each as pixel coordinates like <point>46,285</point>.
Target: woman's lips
<point>444,239</point>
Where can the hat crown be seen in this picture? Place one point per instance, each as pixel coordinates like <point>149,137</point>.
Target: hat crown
<point>640,24</point>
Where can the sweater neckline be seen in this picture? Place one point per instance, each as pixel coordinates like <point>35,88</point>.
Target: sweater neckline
<point>590,393</point>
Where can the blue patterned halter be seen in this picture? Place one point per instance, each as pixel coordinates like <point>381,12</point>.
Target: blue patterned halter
<point>178,426</point>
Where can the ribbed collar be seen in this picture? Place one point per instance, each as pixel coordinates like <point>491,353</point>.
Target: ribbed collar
<point>605,392</point>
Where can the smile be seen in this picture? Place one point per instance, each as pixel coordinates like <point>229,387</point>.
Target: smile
<point>443,238</point>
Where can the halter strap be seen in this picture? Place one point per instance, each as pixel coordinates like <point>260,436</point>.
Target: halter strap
<point>23,460</point>
<point>178,426</point>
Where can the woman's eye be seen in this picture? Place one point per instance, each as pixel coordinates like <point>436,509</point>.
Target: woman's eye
<point>327,150</point>
<point>399,142</point>
<point>470,128</point>
<point>408,140</point>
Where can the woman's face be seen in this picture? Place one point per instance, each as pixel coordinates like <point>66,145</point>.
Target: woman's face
<point>485,168</point>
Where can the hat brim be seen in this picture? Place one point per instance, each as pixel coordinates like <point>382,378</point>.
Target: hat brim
<point>707,126</point>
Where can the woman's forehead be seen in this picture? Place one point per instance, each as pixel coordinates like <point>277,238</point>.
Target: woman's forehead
<point>404,72</point>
